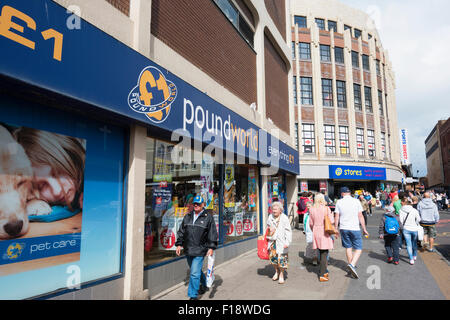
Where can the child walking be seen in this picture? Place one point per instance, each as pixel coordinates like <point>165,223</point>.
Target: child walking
<point>389,230</point>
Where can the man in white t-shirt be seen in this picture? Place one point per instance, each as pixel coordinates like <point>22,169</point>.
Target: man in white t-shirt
<point>348,217</point>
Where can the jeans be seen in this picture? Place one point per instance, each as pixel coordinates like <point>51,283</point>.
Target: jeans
<point>383,203</point>
<point>197,277</point>
<point>411,243</point>
<point>392,246</point>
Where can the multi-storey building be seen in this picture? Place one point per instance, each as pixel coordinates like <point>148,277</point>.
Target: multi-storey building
<point>344,99</point>
<point>127,82</point>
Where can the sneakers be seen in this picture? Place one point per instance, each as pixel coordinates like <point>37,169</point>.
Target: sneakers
<point>352,270</point>
<point>396,263</point>
<point>202,289</point>
<point>390,259</point>
<point>430,250</point>
<point>193,298</point>
<point>415,258</point>
<point>323,279</point>
<point>411,262</point>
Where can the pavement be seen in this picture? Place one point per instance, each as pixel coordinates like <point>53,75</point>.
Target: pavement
<point>248,278</point>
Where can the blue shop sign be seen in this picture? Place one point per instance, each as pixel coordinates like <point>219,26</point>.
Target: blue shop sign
<point>39,48</point>
<point>357,173</point>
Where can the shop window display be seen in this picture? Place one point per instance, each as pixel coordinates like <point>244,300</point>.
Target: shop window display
<point>276,191</point>
<point>241,204</point>
<point>170,190</point>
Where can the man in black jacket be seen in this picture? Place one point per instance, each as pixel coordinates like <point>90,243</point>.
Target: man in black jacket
<point>198,237</point>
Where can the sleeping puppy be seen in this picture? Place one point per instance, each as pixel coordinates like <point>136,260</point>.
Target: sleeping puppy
<point>17,195</point>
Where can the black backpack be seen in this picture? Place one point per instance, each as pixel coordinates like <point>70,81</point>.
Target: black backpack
<point>301,205</point>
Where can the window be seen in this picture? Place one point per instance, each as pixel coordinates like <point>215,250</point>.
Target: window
<point>341,94</point>
<point>300,21</point>
<point>332,25</point>
<point>357,96</point>
<point>368,99</point>
<point>346,27</point>
<point>339,55</point>
<point>330,141</point>
<point>236,19</point>
<point>383,145</point>
<point>344,140</point>
<point>293,50</point>
<point>369,36</point>
<point>380,102</point>
<point>365,62</point>
<point>377,66</point>
<point>295,90</point>
<point>357,33</point>
<point>306,91</point>
<point>320,23</point>
<point>325,53</point>
<point>296,135</point>
<point>355,59</point>
<point>360,141</point>
<point>371,142</point>
<point>308,138</point>
<point>327,92</point>
<point>304,51</point>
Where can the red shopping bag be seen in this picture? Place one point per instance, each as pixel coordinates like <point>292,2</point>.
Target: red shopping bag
<point>263,252</point>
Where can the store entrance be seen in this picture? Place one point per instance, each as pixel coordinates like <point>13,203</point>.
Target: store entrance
<point>370,186</point>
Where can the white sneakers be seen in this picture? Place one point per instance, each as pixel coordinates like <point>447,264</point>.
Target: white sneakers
<point>411,262</point>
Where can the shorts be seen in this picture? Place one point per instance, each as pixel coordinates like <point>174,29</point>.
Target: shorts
<point>351,239</point>
<point>429,230</point>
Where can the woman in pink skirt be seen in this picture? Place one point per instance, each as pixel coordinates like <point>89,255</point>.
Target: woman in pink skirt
<point>321,239</point>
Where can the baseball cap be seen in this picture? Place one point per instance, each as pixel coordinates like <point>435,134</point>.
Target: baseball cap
<point>345,190</point>
<point>198,199</point>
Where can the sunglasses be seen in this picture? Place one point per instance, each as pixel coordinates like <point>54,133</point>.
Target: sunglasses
<point>197,204</point>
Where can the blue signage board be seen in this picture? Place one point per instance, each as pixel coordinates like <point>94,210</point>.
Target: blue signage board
<point>39,48</point>
<point>357,173</point>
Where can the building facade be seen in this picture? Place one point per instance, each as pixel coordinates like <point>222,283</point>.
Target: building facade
<point>149,104</point>
<point>437,148</point>
<point>344,100</point>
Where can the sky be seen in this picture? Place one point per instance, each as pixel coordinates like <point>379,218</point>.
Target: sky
<point>416,34</point>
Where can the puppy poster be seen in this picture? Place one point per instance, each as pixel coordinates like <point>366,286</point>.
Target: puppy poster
<point>41,198</point>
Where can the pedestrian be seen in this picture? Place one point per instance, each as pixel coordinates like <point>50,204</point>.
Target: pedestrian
<point>365,207</point>
<point>383,198</point>
<point>429,216</point>
<point>415,202</point>
<point>389,230</point>
<point>368,198</point>
<point>197,235</point>
<point>348,218</point>
<point>301,207</point>
<point>280,237</point>
<point>321,240</point>
<point>410,220</point>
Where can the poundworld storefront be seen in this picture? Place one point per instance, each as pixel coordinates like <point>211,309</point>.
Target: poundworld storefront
<point>120,146</point>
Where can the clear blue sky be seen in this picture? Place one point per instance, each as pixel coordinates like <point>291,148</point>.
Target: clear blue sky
<point>416,34</point>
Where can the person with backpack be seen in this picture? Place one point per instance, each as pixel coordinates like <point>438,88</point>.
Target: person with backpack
<point>301,207</point>
<point>389,230</point>
<point>368,198</point>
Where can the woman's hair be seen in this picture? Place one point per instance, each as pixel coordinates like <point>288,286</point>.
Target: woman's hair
<point>65,155</point>
<point>319,199</point>
<point>278,204</point>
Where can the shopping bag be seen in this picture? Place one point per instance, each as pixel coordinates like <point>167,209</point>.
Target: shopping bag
<point>263,252</point>
<point>210,271</point>
<point>420,233</point>
<point>329,227</point>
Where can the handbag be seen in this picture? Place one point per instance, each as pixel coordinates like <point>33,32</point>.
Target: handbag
<point>420,233</point>
<point>263,250</point>
<point>328,226</point>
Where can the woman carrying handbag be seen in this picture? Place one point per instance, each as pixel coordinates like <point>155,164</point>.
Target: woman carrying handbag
<point>280,237</point>
<point>322,219</point>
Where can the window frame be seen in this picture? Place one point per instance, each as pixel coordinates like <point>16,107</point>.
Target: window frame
<point>344,137</point>
<point>311,137</point>
<point>365,62</point>
<point>368,99</point>
<point>355,62</point>
<point>371,141</point>
<point>341,94</point>
<point>357,96</point>
<point>329,133</point>
<point>340,54</point>
<point>301,19</point>
<point>325,53</point>
<point>360,140</point>
<point>302,47</point>
<point>321,22</point>
<point>334,25</point>
<point>306,82</point>
<point>327,88</point>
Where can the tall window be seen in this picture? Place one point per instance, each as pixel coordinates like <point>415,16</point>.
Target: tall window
<point>357,33</point>
<point>357,96</point>
<point>330,140</point>
<point>377,65</point>
<point>344,140</point>
<point>355,59</point>
<point>295,90</point>
<point>236,19</point>
<point>306,91</point>
<point>308,138</point>
<point>368,99</point>
<point>383,145</point>
<point>341,94</point>
<point>332,25</point>
<point>360,141</point>
<point>365,62</point>
<point>371,142</point>
<point>300,21</point>
<point>296,135</point>
<point>304,51</point>
<point>320,23</point>
<point>293,50</point>
<point>327,92</point>
<point>339,55</point>
<point>325,54</point>
<point>380,102</point>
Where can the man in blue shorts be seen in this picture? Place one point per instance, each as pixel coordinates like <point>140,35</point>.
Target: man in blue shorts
<point>348,217</point>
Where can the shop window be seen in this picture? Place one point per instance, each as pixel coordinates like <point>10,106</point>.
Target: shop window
<point>330,140</point>
<point>360,141</point>
<point>169,191</point>
<point>371,143</point>
<point>241,204</point>
<point>276,188</point>
<point>344,140</point>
